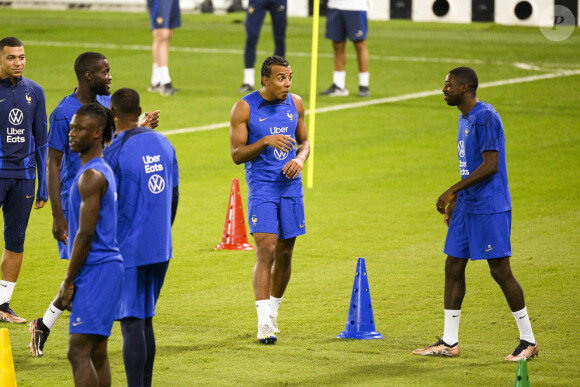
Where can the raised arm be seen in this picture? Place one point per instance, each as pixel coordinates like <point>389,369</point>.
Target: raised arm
<point>294,166</point>
<point>446,202</point>
<point>240,149</point>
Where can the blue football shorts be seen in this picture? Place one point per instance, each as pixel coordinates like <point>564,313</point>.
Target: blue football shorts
<point>281,216</point>
<point>141,288</point>
<point>164,14</point>
<point>342,24</point>
<point>479,236</point>
<point>96,298</point>
<point>16,199</point>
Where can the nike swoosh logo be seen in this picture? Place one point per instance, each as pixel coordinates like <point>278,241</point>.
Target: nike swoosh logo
<point>261,119</point>
<point>488,250</point>
<point>2,100</point>
<point>4,285</point>
<point>455,315</point>
<point>523,316</point>
<point>29,196</point>
<point>77,323</point>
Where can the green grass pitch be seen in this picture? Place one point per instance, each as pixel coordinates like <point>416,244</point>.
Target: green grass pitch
<point>378,171</point>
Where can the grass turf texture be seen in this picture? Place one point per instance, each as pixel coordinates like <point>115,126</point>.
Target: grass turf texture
<point>378,173</point>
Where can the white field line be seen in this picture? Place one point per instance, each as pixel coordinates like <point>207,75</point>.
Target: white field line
<point>405,97</point>
<point>389,58</point>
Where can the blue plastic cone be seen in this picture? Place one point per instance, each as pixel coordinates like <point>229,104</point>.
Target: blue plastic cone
<point>360,323</point>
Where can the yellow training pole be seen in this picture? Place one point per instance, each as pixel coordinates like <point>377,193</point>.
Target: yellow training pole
<point>313,73</point>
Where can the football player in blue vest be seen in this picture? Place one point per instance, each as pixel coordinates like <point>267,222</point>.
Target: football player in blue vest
<point>268,134</point>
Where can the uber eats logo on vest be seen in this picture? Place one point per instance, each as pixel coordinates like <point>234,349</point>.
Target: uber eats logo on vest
<point>15,134</point>
<point>153,164</point>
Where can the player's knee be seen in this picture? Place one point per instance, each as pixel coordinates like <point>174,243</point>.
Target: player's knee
<point>266,255</point>
<point>75,355</point>
<point>252,41</point>
<point>14,243</point>
<point>501,274</point>
<point>454,268</point>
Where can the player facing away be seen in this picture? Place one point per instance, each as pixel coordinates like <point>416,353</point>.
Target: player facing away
<point>165,16</point>
<point>254,19</point>
<point>145,166</point>
<point>268,134</point>
<point>22,156</point>
<point>348,19</point>
<point>477,212</point>
<point>94,78</point>
<point>94,276</point>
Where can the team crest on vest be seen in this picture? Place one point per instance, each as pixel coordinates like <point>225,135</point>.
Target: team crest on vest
<point>28,98</point>
<point>290,115</point>
<point>466,131</point>
<point>159,20</point>
<point>251,10</point>
<point>254,220</point>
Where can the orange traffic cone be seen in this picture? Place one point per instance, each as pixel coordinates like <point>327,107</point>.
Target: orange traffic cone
<point>7,375</point>
<point>234,236</point>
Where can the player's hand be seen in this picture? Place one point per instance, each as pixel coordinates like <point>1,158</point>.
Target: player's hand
<point>293,168</point>
<point>449,213</point>
<point>65,294</point>
<point>60,229</point>
<point>281,142</point>
<point>39,204</point>
<point>445,199</point>
<point>151,120</point>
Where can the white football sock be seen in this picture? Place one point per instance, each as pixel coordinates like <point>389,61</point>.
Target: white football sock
<point>363,79</point>
<point>339,78</point>
<point>274,305</point>
<point>164,77</point>
<point>451,328</point>
<point>51,315</point>
<point>263,309</point>
<point>155,75</point>
<point>249,75</point>
<point>524,325</point>
<point>6,290</point>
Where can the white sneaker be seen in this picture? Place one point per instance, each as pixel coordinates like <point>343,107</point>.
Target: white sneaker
<point>335,91</point>
<point>274,324</point>
<point>266,334</point>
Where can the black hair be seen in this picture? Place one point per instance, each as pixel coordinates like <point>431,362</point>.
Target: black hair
<point>466,75</point>
<point>126,101</point>
<point>271,61</point>
<point>10,41</point>
<point>86,61</point>
<point>104,117</point>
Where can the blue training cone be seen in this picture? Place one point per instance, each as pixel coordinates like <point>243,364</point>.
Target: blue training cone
<point>360,323</point>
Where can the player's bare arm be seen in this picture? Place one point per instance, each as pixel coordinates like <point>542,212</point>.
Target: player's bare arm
<point>59,223</point>
<point>487,168</point>
<point>240,149</point>
<point>92,186</point>
<point>294,166</point>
